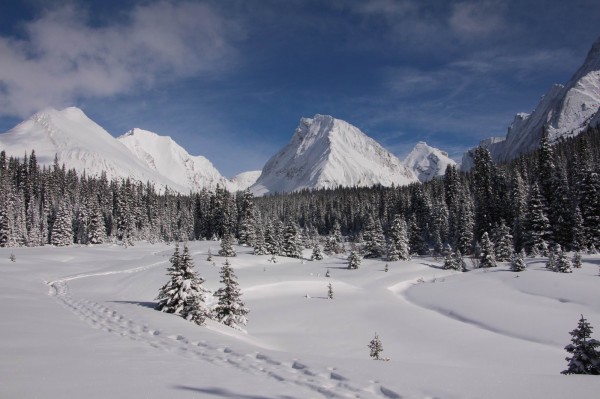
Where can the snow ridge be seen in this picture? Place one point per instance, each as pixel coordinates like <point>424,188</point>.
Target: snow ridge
<point>325,152</point>
<point>427,162</point>
<point>564,111</point>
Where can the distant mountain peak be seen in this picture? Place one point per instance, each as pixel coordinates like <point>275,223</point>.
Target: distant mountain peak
<point>427,162</point>
<point>325,152</point>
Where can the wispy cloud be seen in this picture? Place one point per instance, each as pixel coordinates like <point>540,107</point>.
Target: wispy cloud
<point>63,57</point>
<point>472,20</point>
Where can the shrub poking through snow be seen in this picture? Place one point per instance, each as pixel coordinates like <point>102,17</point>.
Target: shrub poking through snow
<point>586,356</point>
<point>517,262</point>
<point>329,291</point>
<point>577,260</point>
<point>354,260</point>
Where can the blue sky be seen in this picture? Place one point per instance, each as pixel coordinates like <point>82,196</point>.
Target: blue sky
<point>230,79</point>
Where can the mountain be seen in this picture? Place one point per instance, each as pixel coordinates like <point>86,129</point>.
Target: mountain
<point>427,162</point>
<point>564,111</point>
<point>164,156</point>
<point>243,180</point>
<point>79,143</point>
<point>325,152</point>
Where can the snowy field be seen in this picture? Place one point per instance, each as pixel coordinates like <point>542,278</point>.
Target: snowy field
<point>79,323</point>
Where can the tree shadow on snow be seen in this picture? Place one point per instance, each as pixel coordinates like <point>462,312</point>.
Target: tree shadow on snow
<point>144,304</point>
<point>224,393</point>
<point>432,265</point>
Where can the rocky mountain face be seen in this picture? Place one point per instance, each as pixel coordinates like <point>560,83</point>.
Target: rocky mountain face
<point>563,111</point>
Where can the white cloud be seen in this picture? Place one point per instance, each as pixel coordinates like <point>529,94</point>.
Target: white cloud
<point>63,58</point>
<point>473,20</point>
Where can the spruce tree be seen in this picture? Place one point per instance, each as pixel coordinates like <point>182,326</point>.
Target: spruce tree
<point>585,351</point>
<point>329,291</point>
<point>398,248</point>
<point>227,249</point>
<point>551,262</point>
<point>517,262</point>
<point>502,242</point>
<point>577,260</point>
<point>183,294</point>
<point>354,260</point>
<point>374,246</point>
<point>487,257</point>
<point>537,225</point>
<point>450,262</point>
<point>230,309</point>
<point>317,254</point>
<point>291,245</point>
<point>375,347</point>
<point>247,222</point>
<point>62,231</point>
<point>563,263</point>
<point>97,228</point>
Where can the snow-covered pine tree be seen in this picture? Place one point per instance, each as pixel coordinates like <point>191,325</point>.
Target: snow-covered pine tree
<point>503,242</point>
<point>577,260</point>
<point>585,351</point>
<point>317,254</point>
<point>354,260</point>
<point>374,240</point>
<point>551,262</point>
<point>517,261</point>
<point>230,309</point>
<point>247,219</point>
<point>97,228</point>
<point>271,244</point>
<point>375,347</point>
<point>62,231</point>
<point>563,263</point>
<point>291,245</point>
<point>398,248</point>
<point>460,262</point>
<point>4,223</point>
<point>329,291</point>
<point>488,256</point>
<point>183,294</point>
<point>449,262</point>
<point>537,225</point>
<point>260,247</point>
<point>227,249</point>
<point>589,203</point>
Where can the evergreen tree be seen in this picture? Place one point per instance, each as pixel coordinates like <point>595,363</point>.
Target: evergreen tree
<point>577,231</point>
<point>227,249</point>
<point>183,293</point>
<point>374,240</point>
<point>487,257</point>
<point>563,263</point>
<point>97,228</point>
<point>589,203</point>
<point>271,243</point>
<point>502,242</point>
<point>247,222</point>
<point>329,291</point>
<point>517,262</point>
<point>291,245</point>
<point>317,254</point>
<point>375,347</point>
<point>230,309</point>
<point>260,246</point>
<point>417,243</point>
<point>354,260</point>
<point>4,222</point>
<point>398,248</point>
<point>537,224</point>
<point>585,351</point>
<point>577,260</point>
<point>450,262</point>
<point>62,232</point>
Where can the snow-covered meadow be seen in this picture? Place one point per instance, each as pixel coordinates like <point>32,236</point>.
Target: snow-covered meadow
<point>78,322</point>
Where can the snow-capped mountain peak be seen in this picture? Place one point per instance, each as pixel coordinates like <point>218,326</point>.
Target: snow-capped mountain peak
<point>163,155</point>
<point>564,111</point>
<point>427,162</point>
<point>326,152</point>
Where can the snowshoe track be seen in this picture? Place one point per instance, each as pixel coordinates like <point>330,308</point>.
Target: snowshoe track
<point>328,383</point>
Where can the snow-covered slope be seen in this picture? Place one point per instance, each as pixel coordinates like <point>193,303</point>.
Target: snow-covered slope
<point>325,152</point>
<point>564,111</point>
<point>244,180</point>
<point>163,155</point>
<point>427,162</point>
<point>79,143</point>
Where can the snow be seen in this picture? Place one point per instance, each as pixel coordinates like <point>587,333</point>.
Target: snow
<point>325,152</point>
<point>79,322</point>
<point>427,162</point>
<point>565,111</point>
<point>244,180</point>
<point>163,155</point>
